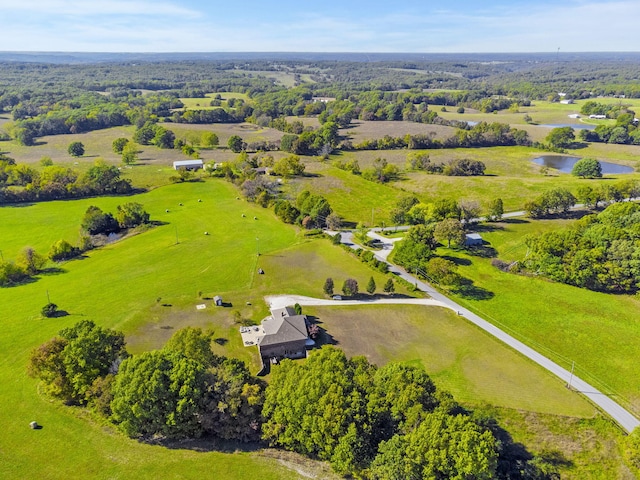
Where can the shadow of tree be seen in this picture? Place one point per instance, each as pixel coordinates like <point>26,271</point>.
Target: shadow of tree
<point>483,251</point>
<point>516,462</point>
<point>469,291</point>
<point>207,444</point>
<point>461,262</point>
<point>515,221</point>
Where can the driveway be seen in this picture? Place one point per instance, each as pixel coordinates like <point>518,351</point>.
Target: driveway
<point>622,416</point>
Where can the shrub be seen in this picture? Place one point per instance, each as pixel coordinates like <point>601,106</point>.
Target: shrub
<point>49,310</point>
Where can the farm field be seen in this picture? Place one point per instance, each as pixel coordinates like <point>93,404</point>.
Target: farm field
<point>470,364</point>
<point>124,286</point>
<point>203,103</point>
<point>360,130</point>
<point>130,281</point>
<point>208,241</point>
<point>510,175</point>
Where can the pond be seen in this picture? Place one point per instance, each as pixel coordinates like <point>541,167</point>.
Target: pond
<point>565,164</point>
<point>575,126</point>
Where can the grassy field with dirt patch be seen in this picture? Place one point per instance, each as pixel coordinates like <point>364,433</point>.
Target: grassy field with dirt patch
<point>460,358</point>
<point>360,130</point>
<point>148,286</point>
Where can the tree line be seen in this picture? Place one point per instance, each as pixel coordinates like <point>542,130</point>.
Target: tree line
<point>369,422</point>
<point>23,183</point>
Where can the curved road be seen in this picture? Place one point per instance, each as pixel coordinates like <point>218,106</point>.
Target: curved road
<point>623,417</point>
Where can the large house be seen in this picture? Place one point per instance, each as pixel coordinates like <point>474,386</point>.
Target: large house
<point>283,334</point>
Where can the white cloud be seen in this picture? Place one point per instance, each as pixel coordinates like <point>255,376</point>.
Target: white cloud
<point>143,25</point>
<point>95,8</point>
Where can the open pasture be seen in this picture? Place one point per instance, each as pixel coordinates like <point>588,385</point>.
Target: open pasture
<point>510,175</point>
<point>204,103</point>
<point>360,130</point>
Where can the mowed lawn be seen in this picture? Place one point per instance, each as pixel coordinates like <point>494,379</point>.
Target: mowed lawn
<point>472,365</point>
<point>599,332</point>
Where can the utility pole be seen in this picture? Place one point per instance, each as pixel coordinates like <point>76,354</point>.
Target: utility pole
<point>177,241</point>
<point>573,364</point>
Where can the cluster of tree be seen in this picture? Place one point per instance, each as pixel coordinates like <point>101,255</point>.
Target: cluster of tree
<point>412,142</point>
<point>153,134</point>
<point>85,112</point>
<point>215,115</point>
<point>350,286</point>
<point>368,257</point>
<point>28,264</point>
<point>555,201</point>
<point>592,197</point>
<point>128,215</point>
<point>485,134</point>
<point>21,182</point>
<point>561,137</point>
<point>480,135</point>
<point>180,391</point>
<point>320,141</point>
<point>599,252</point>
<point>79,363</point>
<point>592,107</point>
<point>381,171</point>
<point>389,422</point>
<point>625,131</point>
<point>587,168</point>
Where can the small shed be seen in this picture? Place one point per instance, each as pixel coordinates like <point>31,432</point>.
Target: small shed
<point>188,164</point>
<point>472,240</point>
<point>217,300</point>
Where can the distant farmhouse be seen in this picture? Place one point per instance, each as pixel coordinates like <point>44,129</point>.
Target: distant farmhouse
<point>283,334</point>
<point>323,99</point>
<point>188,164</point>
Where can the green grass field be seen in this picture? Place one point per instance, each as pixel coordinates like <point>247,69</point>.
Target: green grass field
<point>125,286</point>
<point>460,358</point>
<point>204,103</point>
<point>597,331</point>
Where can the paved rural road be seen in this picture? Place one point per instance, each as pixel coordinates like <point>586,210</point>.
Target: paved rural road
<point>623,417</point>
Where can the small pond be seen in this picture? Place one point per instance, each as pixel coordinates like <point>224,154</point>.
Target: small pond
<point>575,126</point>
<point>565,164</point>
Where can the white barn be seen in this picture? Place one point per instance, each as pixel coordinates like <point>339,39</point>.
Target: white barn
<point>188,164</point>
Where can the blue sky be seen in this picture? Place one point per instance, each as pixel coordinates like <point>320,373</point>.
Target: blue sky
<point>327,26</point>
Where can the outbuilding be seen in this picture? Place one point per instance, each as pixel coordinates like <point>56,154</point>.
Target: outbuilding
<point>217,300</point>
<point>472,240</point>
<point>188,165</point>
